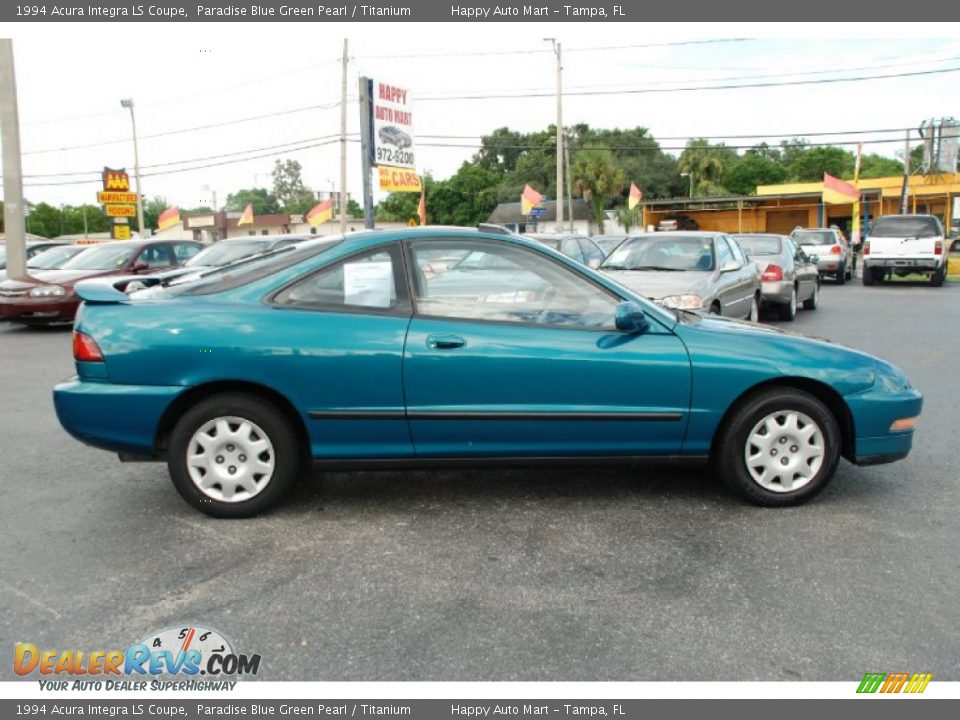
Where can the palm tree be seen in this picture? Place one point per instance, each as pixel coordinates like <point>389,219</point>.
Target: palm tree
<point>597,179</point>
<point>704,162</point>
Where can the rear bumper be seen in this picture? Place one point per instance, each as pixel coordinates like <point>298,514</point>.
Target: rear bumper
<point>776,293</point>
<point>910,263</point>
<point>120,418</point>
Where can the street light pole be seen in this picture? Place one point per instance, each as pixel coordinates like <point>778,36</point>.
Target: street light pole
<point>128,103</point>
<point>689,175</point>
<point>556,51</point>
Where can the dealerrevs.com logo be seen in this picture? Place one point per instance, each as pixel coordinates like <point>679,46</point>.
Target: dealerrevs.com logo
<point>180,652</point>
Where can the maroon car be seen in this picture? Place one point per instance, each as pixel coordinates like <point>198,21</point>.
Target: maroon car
<point>52,299</point>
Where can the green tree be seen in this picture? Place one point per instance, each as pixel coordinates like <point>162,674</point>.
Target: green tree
<point>597,179</point>
<point>750,170</point>
<point>45,220</point>
<point>810,165</point>
<point>288,188</point>
<point>628,218</point>
<point>264,202</point>
<point>152,209</point>
<point>353,209</point>
<point>706,164</point>
<point>875,166</point>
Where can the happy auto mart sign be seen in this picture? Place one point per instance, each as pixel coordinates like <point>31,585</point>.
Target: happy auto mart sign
<point>392,126</point>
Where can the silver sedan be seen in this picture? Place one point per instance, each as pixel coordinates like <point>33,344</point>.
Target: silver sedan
<point>789,275</point>
<point>689,270</point>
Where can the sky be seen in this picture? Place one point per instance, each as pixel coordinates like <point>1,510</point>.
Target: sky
<point>282,82</point>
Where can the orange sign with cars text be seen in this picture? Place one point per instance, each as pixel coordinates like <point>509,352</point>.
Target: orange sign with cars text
<point>394,179</point>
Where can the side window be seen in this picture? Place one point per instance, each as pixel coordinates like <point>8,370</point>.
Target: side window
<point>737,251</point>
<point>724,253</point>
<point>184,251</point>
<point>360,283</point>
<point>591,251</point>
<point>156,256</point>
<point>570,248</point>
<point>501,283</point>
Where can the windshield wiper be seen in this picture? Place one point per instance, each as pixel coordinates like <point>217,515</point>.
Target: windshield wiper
<point>613,267</point>
<point>655,267</point>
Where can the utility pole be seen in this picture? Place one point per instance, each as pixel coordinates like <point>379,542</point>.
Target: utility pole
<point>343,143</point>
<point>906,174</point>
<point>12,171</point>
<point>566,157</point>
<point>366,148</point>
<point>556,51</point>
<point>128,103</point>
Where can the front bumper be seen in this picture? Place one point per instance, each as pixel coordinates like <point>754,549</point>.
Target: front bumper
<point>120,418</point>
<point>874,411</point>
<point>40,310</point>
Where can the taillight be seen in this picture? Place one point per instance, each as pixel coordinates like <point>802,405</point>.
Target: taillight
<point>866,247</point>
<point>938,248</point>
<point>836,250</point>
<point>773,273</point>
<point>85,349</point>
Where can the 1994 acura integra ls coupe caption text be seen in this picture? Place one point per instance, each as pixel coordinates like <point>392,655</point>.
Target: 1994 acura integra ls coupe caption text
<point>344,351</point>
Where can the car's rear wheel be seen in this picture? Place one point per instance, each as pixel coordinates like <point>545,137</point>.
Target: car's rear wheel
<point>233,456</point>
<point>811,302</point>
<point>841,275</point>
<point>939,276</point>
<point>788,311</point>
<point>780,447</point>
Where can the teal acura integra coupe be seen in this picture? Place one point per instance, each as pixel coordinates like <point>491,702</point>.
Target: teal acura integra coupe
<point>344,351</point>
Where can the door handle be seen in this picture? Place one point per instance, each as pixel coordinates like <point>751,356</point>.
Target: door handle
<point>445,342</point>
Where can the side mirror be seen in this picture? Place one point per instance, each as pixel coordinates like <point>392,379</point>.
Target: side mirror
<point>593,264</point>
<point>730,266</point>
<point>140,266</point>
<point>631,319</point>
<point>813,258</point>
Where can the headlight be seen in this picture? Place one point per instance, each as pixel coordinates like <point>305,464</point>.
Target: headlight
<point>683,302</point>
<point>48,291</point>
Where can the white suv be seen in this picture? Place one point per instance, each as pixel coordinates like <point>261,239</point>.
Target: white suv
<point>903,245</point>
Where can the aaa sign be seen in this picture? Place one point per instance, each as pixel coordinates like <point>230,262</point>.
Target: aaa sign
<point>394,179</point>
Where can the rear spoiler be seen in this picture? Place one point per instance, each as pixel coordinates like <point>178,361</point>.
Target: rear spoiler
<point>100,291</point>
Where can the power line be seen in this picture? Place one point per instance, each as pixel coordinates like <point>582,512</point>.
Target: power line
<point>643,91</point>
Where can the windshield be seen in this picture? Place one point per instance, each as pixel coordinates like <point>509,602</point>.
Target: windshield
<point>759,244</point>
<point>904,227</point>
<point>814,237</point>
<point>662,252</point>
<point>548,240</point>
<point>103,257</point>
<point>226,252</point>
<point>54,257</point>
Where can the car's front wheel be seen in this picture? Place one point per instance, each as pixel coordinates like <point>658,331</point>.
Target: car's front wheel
<point>233,456</point>
<point>780,447</point>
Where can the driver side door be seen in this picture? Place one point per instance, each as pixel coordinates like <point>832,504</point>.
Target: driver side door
<point>519,356</point>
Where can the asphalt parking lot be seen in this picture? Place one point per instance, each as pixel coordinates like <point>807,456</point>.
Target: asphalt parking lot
<point>549,574</point>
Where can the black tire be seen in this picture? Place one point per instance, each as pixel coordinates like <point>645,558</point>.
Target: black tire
<point>788,312</point>
<point>841,276</point>
<point>868,278</point>
<point>936,280</point>
<point>812,302</point>
<point>731,446</point>
<point>286,453</point>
